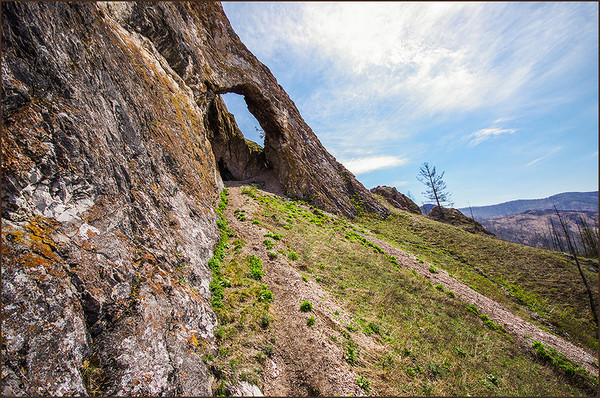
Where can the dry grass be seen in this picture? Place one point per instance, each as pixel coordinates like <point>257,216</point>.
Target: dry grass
<point>522,278</point>
<point>428,343</point>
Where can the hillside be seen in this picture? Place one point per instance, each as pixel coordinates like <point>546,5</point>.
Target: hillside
<point>575,201</point>
<point>532,227</point>
<point>381,322</point>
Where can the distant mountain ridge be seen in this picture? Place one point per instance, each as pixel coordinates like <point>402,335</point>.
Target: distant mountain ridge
<point>575,201</point>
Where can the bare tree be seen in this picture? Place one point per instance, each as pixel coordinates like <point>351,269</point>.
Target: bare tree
<point>436,187</point>
<point>588,236</point>
<point>563,224</point>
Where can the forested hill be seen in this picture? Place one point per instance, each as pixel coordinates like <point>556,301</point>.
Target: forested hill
<point>575,201</point>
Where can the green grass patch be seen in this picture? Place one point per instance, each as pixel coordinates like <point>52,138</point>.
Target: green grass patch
<point>306,306</point>
<point>255,267</point>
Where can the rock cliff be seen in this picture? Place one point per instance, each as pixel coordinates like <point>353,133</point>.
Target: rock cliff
<point>115,144</point>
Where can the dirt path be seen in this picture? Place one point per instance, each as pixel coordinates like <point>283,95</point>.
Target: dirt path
<point>523,331</point>
<point>306,362</point>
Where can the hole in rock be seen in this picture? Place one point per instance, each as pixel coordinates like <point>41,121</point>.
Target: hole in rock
<point>246,122</point>
<point>237,141</point>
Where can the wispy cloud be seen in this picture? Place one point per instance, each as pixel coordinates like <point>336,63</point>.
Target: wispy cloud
<point>434,57</point>
<point>551,153</point>
<point>368,164</point>
<point>479,136</point>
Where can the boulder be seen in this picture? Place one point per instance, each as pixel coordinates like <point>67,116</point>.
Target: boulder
<point>397,199</point>
<point>455,217</point>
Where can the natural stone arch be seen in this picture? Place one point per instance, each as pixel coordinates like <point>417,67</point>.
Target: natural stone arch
<point>236,157</point>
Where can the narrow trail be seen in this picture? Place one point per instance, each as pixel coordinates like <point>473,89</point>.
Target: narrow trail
<point>298,347</point>
<point>523,331</point>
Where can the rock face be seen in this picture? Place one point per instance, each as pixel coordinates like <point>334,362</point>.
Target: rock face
<point>397,199</point>
<point>114,149</point>
<point>455,217</point>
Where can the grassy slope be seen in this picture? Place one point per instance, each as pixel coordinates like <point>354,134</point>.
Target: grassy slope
<point>523,278</point>
<point>424,342</point>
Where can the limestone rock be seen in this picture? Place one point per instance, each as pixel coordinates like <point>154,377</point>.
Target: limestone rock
<point>114,143</point>
<point>455,217</point>
<point>397,199</point>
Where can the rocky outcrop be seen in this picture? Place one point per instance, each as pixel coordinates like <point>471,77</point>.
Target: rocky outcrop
<point>114,148</point>
<point>455,217</point>
<point>397,199</point>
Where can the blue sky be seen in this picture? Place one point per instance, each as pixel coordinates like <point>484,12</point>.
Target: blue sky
<point>501,96</point>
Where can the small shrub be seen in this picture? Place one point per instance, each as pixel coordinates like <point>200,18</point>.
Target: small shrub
<point>265,321</point>
<point>306,306</point>
<point>287,227</point>
<point>304,278</point>
<point>256,222</point>
<point>492,379</point>
<point>268,350</point>
<point>221,224</point>
<point>491,325</point>
<point>255,267</point>
<point>272,255</point>
<point>265,295</point>
<point>318,279</point>
<point>225,283</point>
<point>238,244</point>
<point>374,327</point>
<point>351,353</point>
<point>220,333</point>
<point>432,269</point>
<point>473,309</point>
<point>293,256</point>
<point>274,236</point>
<point>364,383</point>
<point>310,321</point>
<point>269,244</point>
<point>450,293</point>
<point>439,287</point>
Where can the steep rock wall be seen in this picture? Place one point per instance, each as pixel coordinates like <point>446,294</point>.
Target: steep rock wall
<point>108,190</point>
<point>109,181</point>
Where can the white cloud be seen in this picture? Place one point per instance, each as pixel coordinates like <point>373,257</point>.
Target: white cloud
<point>366,165</point>
<point>427,57</point>
<point>479,136</point>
